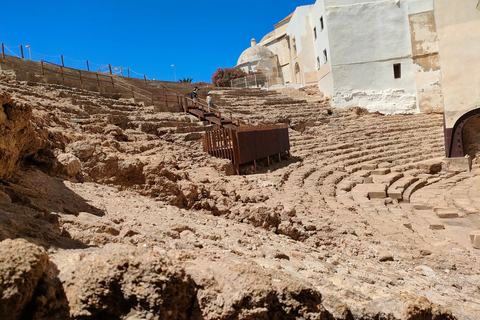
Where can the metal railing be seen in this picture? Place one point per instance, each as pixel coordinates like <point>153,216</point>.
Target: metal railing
<point>257,80</point>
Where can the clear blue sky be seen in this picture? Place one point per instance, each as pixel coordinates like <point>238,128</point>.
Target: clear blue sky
<point>146,36</point>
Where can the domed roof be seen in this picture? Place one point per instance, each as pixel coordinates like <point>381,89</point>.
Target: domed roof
<point>254,53</point>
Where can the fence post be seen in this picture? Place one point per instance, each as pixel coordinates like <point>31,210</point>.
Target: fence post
<point>3,51</point>
<point>110,67</point>
<point>128,72</point>
<point>41,67</point>
<point>21,50</point>
<point>88,67</point>
<point>80,74</point>
<point>61,71</point>
<point>145,77</point>
<point>63,65</point>
<point>113,85</point>
<point>121,71</point>
<point>98,81</point>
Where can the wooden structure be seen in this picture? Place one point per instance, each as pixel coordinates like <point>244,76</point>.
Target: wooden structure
<point>245,144</point>
<point>239,142</point>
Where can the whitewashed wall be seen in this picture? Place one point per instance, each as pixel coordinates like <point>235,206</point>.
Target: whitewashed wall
<point>325,82</point>
<point>366,39</point>
<point>300,29</point>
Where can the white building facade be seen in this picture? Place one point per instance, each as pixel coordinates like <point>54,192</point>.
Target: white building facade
<point>389,56</point>
<point>359,53</point>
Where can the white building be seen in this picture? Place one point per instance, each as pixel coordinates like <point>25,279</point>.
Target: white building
<point>390,56</point>
<point>359,53</point>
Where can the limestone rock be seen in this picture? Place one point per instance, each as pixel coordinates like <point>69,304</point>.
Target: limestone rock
<point>82,149</point>
<point>18,138</point>
<point>71,163</point>
<point>21,266</point>
<point>119,280</point>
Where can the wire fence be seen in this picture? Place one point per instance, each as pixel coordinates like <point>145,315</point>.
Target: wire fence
<point>257,80</point>
<point>25,52</point>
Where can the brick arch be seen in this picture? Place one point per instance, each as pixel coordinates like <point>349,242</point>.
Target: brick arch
<point>454,144</point>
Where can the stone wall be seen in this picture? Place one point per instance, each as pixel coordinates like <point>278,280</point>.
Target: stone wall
<point>459,43</point>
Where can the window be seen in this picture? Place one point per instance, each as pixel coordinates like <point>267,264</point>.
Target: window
<point>325,57</point>
<point>315,32</point>
<point>397,70</point>
<point>321,23</point>
<point>318,62</point>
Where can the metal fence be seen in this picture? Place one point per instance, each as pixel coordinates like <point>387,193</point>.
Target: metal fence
<point>247,143</point>
<point>258,80</point>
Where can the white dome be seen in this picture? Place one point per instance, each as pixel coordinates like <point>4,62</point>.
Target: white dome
<point>254,53</point>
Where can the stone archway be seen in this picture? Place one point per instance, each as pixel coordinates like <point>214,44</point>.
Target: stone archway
<point>465,137</point>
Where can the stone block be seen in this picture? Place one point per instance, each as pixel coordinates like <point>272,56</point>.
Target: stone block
<point>475,238</point>
<point>476,242</point>
<point>368,180</point>
<point>459,164</point>
<point>381,171</point>
<point>437,226</point>
<point>369,166</point>
<point>377,191</point>
<point>446,213</point>
<point>422,206</point>
<point>430,166</point>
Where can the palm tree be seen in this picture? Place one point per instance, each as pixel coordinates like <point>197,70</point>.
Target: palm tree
<point>188,80</point>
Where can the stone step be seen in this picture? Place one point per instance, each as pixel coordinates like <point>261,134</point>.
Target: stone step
<point>396,189</point>
<point>370,191</point>
<point>412,188</point>
<point>387,179</point>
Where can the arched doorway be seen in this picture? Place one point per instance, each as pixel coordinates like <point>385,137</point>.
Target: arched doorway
<point>471,137</point>
<point>298,76</point>
<point>465,136</point>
